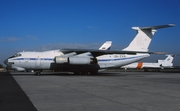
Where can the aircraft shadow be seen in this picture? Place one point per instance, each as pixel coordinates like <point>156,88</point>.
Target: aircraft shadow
<point>67,74</point>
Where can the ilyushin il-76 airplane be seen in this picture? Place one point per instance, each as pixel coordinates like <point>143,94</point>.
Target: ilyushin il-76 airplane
<point>86,61</point>
<point>50,53</point>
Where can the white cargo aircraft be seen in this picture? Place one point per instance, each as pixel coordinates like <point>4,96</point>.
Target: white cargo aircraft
<point>51,54</point>
<point>167,63</point>
<point>83,61</point>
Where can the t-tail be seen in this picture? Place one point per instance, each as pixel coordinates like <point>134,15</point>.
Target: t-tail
<point>167,62</point>
<point>143,37</point>
<point>106,45</point>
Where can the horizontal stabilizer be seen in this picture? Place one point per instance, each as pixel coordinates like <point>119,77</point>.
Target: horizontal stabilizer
<point>143,37</point>
<point>154,27</point>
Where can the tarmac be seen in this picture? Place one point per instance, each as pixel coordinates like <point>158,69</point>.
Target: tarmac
<point>107,91</point>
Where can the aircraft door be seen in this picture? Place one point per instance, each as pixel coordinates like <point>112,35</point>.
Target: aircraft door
<point>38,62</point>
<point>18,63</point>
<point>25,63</point>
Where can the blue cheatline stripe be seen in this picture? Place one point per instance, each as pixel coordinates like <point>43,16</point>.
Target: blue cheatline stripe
<point>33,59</point>
<point>103,60</point>
<point>100,60</point>
<point>18,59</point>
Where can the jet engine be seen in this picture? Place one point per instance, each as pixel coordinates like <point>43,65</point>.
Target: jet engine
<point>78,60</point>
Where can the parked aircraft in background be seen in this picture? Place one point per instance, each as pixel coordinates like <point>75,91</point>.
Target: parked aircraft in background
<point>106,46</point>
<point>85,61</point>
<point>167,63</point>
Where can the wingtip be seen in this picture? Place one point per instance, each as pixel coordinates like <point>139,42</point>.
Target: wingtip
<point>160,53</point>
<point>172,25</point>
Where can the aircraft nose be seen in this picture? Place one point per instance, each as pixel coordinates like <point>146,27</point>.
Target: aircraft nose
<point>6,62</point>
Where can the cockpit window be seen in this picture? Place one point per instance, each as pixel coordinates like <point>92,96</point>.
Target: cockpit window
<point>15,55</point>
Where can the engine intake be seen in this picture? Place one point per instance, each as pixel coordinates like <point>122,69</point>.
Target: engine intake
<point>61,59</point>
<point>79,60</point>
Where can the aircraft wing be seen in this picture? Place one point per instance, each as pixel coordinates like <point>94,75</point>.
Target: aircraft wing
<point>96,53</point>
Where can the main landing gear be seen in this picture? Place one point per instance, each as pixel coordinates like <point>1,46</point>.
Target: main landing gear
<point>38,73</point>
<point>85,73</point>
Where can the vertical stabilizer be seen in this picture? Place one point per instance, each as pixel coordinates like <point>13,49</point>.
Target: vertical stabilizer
<point>167,62</point>
<point>106,45</point>
<point>169,59</point>
<point>143,37</point>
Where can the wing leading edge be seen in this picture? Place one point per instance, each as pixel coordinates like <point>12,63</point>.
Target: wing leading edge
<point>96,53</point>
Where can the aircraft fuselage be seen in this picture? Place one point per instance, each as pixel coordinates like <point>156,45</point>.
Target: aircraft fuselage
<point>46,61</point>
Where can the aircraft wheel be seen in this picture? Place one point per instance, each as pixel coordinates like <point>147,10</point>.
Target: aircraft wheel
<point>76,73</point>
<point>38,73</point>
<point>93,72</point>
<point>83,73</point>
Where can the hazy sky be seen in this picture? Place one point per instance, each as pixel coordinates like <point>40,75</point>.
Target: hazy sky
<point>54,24</point>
